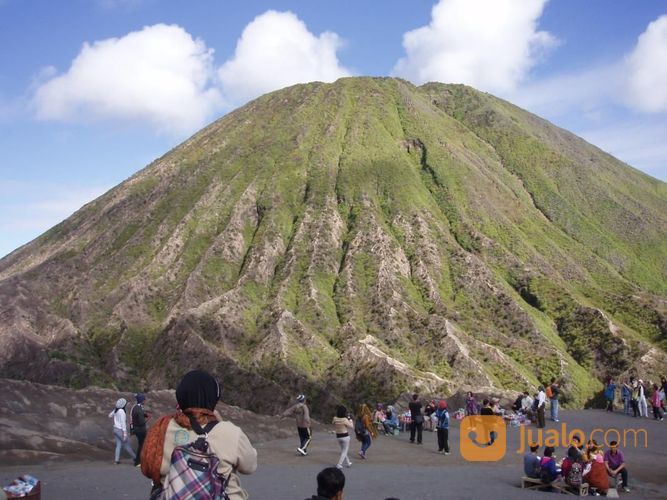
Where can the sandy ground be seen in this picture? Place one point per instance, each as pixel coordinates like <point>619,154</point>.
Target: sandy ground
<point>394,467</point>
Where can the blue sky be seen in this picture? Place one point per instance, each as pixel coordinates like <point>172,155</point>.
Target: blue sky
<point>93,90</point>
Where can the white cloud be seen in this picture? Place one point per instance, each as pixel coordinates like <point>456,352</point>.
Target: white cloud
<point>159,75</point>
<point>638,142</point>
<point>276,50</point>
<point>647,69</point>
<point>490,45</point>
<point>588,92</point>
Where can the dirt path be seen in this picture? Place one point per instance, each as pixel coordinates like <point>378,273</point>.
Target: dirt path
<point>394,468</point>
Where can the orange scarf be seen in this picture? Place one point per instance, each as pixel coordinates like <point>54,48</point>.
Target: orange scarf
<point>153,450</point>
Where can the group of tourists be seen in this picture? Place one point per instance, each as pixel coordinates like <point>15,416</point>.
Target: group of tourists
<point>138,418</point>
<point>580,465</point>
<point>196,434</point>
<point>366,425</point>
<point>637,396</point>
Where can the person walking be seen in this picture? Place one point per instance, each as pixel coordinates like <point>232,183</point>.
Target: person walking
<point>197,395</point>
<point>138,418</point>
<point>417,419</point>
<point>120,430</point>
<point>364,429</point>
<point>342,424</point>
<point>442,427</point>
<point>302,415</point>
<point>610,394</point>
<point>541,403</point>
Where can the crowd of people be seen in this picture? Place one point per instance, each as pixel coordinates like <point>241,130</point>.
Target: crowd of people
<point>636,397</point>
<point>588,465</point>
<point>228,451</point>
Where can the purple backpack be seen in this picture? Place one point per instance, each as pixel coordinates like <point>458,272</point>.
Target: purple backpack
<point>193,472</point>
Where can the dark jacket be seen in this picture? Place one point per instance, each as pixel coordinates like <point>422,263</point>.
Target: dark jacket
<point>138,419</point>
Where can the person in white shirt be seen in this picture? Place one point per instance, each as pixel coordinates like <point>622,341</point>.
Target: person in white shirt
<point>120,430</point>
<point>542,400</point>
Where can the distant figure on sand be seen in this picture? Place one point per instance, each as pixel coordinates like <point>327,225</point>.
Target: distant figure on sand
<point>138,418</point>
<point>626,396</point>
<point>553,391</point>
<point>472,408</point>
<point>364,429</point>
<point>302,414</point>
<point>330,485</point>
<point>541,403</point>
<point>390,423</point>
<point>197,395</point>
<point>610,394</point>
<point>120,430</point>
<point>416,418</point>
<point>342,425</point>
<point>656,402</point>
<point>442,425</point>
<point>643,406</point>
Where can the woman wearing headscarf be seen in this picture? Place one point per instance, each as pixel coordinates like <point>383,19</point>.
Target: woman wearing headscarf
<point>197,395</point>
<point>120,430</point>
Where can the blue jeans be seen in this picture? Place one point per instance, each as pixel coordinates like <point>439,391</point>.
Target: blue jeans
<point>120,443</point>
<point>365,443</point>
<point>626,406</point>
<point>554,409</point>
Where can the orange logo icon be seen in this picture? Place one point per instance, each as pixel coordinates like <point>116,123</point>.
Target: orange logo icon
<point>483,438</point>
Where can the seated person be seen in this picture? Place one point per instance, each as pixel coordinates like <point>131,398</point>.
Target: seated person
<point>516,406</point>
<point>614,461</point>
<point>596,476</point>
<point>330,484</point>
<point>575,447</point>
<point>531,462</point>
<point>391,421</point>
<point>527,405</point>
<point>379,415</point>
<point>549,470</point>
<point>572,467</point>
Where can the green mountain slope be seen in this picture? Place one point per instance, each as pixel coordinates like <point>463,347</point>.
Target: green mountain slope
<point>354,239</point>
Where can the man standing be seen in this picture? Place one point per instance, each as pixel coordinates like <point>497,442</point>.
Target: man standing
<point>554,390</point>
<point>610,394</point>
<point>541,403</point>
<point>138,418</point>
<point>615,463</point>
<point>417,419</point>
<point>626,396</point>
<point>302,414</point>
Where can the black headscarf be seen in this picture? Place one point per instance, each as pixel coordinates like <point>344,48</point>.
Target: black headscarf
<point>198,389</point>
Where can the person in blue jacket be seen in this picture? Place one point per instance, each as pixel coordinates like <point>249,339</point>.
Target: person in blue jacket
<point>443,427</point>
<point>391,421</point>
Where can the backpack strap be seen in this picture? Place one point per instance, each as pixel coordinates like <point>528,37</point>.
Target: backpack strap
<point>198,428</point>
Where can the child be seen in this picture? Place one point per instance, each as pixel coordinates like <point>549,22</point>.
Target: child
<point>443,427</point>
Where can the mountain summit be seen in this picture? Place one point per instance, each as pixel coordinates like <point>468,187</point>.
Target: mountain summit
<point>353,240</point>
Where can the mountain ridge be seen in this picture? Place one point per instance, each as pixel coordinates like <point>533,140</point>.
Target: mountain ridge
<point>354,239</point>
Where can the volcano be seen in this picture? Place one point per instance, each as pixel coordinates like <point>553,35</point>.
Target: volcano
<point>353,241</point>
